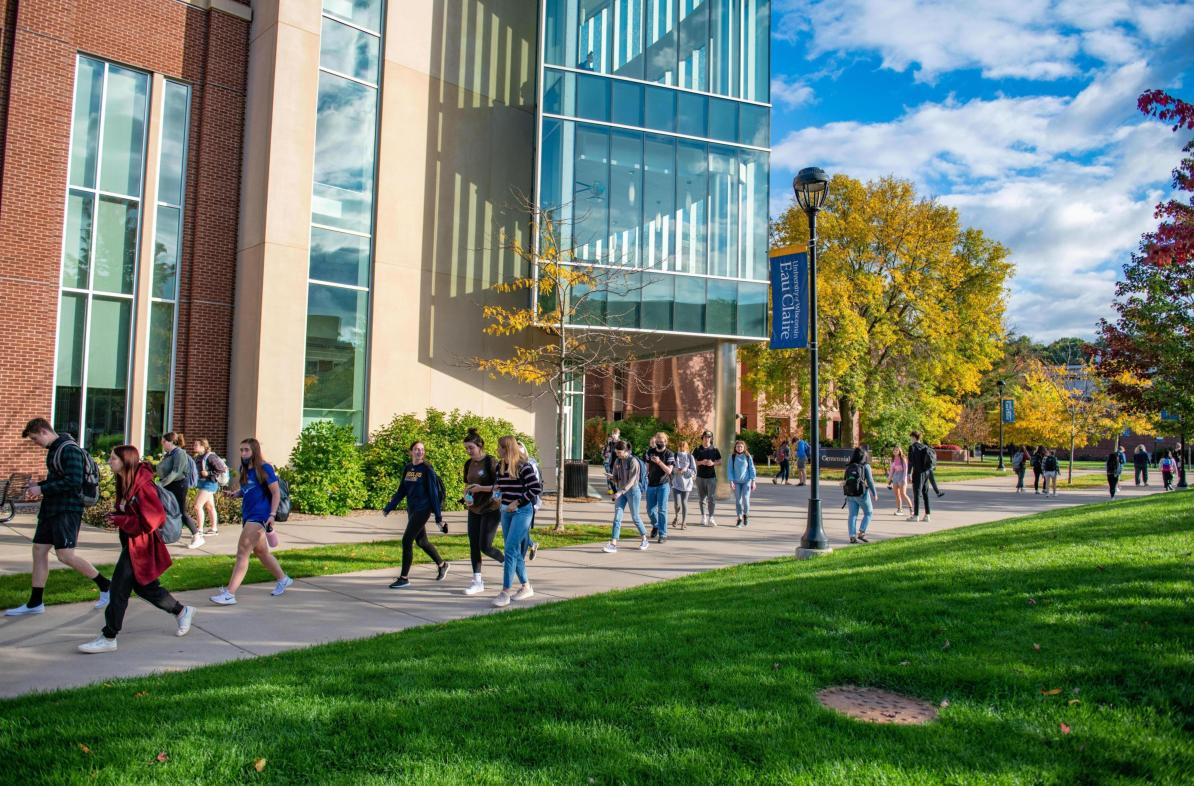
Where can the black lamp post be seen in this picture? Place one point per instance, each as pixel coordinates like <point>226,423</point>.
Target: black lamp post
<point>812,186</point>
<point>1000,383</point>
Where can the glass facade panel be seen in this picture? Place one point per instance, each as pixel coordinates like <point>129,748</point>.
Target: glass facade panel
<point>752,309</point>
<point>625,197</point>
<point>721,298</point>
<point>68,392</point>
<point>339,257</point>
<point>754,125</point>
<point>657,295</point>
<point>690,114</point>
<point>126,100</point>
<point>590,200</point>
<point>692,196</point>
<point>723,213</point>
<point>165,252</point>
<point>172,163</point>
<point>659,199</point>
<point>115,246</point>
<point>348,51</point>
<point>693,51</point>
<point>604,36</point>
<point>624,301</point>
<point>723,120</point>
<point>334,382</point>
<point>689,308</point>
<point>660,109</point>
<point>76,248</point>
<point>661,41</point>
<point>107,372</point>
<point>89,90</point>
<point>345,133</point>
<point>158,372</point>
<point>592,97</point>
<point>627,103</point>
<point>362,13</point>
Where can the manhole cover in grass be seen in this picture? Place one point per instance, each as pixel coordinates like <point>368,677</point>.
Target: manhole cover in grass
<point>877,706</point>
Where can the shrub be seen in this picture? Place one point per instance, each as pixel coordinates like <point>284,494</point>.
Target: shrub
<point>596,434</point>
<point>95,515</point>
<point>758,444</point>
<point>325,473</point>
<point>442,435</point>
<point>639,429</point>
<point>227,508</point>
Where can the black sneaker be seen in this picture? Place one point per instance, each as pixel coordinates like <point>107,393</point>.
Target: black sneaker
<point>400,582</point>
<point>862,536</point>
<point>441,572</point>
<point>940,493</point>
<point>443,527</point>
<point>533,550</point>
<point>654,532</point>
<point>853,540</point>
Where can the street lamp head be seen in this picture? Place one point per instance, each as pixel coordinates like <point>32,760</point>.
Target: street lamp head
<point>1000,383</point>
<point>811,185</point>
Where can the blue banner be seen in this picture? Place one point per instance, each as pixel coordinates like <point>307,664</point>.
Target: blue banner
<point>1169,416</point>
<point>789,300</point>
<point>1009,410</point>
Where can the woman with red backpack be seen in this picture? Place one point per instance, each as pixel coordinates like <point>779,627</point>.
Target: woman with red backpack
<point>138,514</point>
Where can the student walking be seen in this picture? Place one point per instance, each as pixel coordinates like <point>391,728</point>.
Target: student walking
<point>919,463</point>
<point>897,473</point>
<point>682,478</point>
<point>626,477</point>
<point>858,487</point>
<point>1050,470</point>
<point>783,453</point>
<point>420,489</point>
<point>1115,468</point>
<point>1168,470</point>
<point>661,463</point>
<point>530,546</point>
<point>260,495</point>
<point>60,515</point>
<point>174,473</point>
<point>803,452</point>
<point>931,473</point>
<point>1038,466</point>
<point>608,455</point>
<point>137,513</point>
<point>1021,461</point>
<point>707,458</point>
<point>213,473</point>
<point>741,471</point>
<point>484,516</point>
<point>518,486</point>
<point>1140,463</point>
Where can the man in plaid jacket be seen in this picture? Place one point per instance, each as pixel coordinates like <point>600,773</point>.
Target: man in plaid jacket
<point>59,516</point>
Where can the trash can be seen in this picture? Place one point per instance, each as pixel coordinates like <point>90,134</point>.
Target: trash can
<point>576,479</point>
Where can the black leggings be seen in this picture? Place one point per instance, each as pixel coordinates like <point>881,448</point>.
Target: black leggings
<point>1036,479</point>
<point>416,532</point>
<point>179,489</point>
<point>920,488</point>
<point>932,476</point>
<point>482,527</point>
<point>123,585</point>
<point>1112,482</point>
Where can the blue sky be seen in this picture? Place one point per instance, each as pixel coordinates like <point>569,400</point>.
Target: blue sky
<point>1022,115</point>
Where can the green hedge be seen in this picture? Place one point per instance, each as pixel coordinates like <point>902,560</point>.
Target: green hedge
<point>758,444</point>
<point>388,451</point>
<point>326,475</point>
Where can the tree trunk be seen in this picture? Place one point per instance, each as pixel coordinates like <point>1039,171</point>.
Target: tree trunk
<point>845,410</point>
<point>561,401</point>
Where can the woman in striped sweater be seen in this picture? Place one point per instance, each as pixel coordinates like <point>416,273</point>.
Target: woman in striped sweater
<point>517,486</point>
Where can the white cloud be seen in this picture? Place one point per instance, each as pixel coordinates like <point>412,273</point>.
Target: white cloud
<point>790,93</point>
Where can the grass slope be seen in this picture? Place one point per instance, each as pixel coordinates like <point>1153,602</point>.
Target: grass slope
<point>201,572</point>
<point>709,679</point>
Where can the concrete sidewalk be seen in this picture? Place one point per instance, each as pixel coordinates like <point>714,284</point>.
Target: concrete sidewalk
<point>38,653</point>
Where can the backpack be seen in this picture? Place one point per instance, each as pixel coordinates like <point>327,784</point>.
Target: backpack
<point>1050,464</point>
<point>192,470</point>
<point>1018,461</point>
<point>171,529</point>
<point>930,457</point>
<point>537,503</point>
<point>90,488</point>
<point>642,475</point>
<point>224,478</point>
<point>855,485</point>
<point>1113,464</point>
<point>1167,465</point>
<point>283,511</point>
<point>440,491</point>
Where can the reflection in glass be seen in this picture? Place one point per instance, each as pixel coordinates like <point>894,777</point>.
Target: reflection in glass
<point>657,297</point>
<point>76,248</point>
<point>723,212</point>
<point>334,380</point>
<point>752,309</point>
<point>691,205</point>
<point>693,52</point>
<point>752,216</point>
<point>754,125</point>
<point>125,116</point>
<point>720,307</point>
<point>107,371</point>
<point>592,97</point>
<point>723,120</point>
<point>84,153</point>
<point>590,308</point>
<point>339,257</point>
<point>362,13</point>
<point>157,381</point>
<point>661,41</point>
<point>689,309</point>
<point>348,51</point>
<point>690,114</point>
<point>115,246</point>
<point>627,103</point>
<point>346,126</point>
<point>591,193</point>
<point>625,197</point>
<point>660,109</point>
<point>173,158</point>
<point>68,373</point>
<point>659,199</point>
<point>165,252</point>
<point>624,301</point>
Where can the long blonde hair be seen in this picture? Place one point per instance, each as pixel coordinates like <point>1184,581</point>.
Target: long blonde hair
<point>508,447</point>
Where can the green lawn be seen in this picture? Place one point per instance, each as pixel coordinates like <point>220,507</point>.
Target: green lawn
<point>1061,647</point>
<point>187,573</point>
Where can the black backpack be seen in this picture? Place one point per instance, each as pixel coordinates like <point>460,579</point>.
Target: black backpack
<point>90,488</point>
<point>855,485</point>
<point>439,485</point>
<point>930,458</point>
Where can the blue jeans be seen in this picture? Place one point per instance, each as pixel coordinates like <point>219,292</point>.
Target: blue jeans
<point>657,507</point>
<point>515,527</point>
<point>742,498</point>
<point>630,499</point>
<point>857,504</point>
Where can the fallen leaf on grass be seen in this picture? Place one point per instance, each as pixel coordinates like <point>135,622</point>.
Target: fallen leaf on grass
<point>1065,729</point>
<point>1036,647</point>
<point>905,663</point>
<point>140,694</point>
<point>775,667</point>
<point>160,758</point>
<point>1032,601</point>
<point>944,703</point>
<point>259,765</point>
<point>84,748</point>
<point>1072,702</point>
<point>1100,567</point>
<point>1053,692</point>
<point>945,646</point>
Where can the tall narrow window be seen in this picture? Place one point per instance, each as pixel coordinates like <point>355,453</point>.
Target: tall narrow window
<point>99,251</point>
<point>167,253</point>
<point>342,212</point>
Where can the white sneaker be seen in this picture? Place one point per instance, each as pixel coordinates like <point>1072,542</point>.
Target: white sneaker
<point>912,518</point>
<point>103,600</point>
<point>502,599</point>
<point>477,586</point>
<point>928,518</point>
<point>24,610</point>
<point>225,598</point>
<point>184,620</point>
<point>100,644</point>
<point>281,586</point>
<point>524,592</point>
<point>610,548</point>
<point>644,544</point>
<point>197,540</point>
<point>712,522</point>
<point>704,521</point>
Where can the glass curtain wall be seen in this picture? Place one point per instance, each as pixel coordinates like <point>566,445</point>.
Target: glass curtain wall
<point>342,212</point>
<point>167,252</point>
<point>99,253</point>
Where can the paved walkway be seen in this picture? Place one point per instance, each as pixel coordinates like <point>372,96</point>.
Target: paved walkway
<point>38,653</point>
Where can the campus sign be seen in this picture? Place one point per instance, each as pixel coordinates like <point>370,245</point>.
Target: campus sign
<point>1009,410</point>
<point>789,299</point>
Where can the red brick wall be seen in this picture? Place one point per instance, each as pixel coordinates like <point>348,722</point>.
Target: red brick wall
<point>207,49</point>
